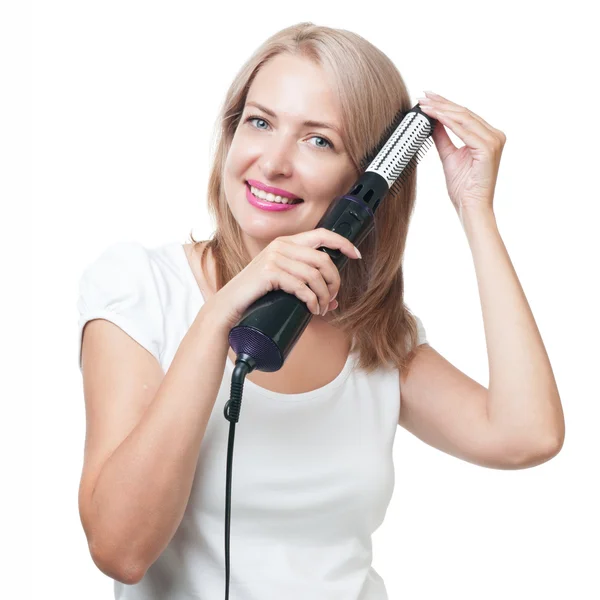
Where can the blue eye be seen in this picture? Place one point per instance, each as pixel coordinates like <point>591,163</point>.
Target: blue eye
<point>257,118</point>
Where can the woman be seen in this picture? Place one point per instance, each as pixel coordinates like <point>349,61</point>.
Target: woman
<point>313,452</point>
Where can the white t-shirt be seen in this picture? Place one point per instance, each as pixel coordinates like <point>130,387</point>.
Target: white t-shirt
<point>312,472</point>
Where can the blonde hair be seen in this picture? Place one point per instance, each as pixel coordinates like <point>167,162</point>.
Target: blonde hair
<point>370,90</point>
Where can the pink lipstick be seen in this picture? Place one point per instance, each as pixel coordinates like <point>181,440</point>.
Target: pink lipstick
<point>264,205</point>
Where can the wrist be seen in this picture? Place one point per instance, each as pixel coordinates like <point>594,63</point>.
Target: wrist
<point>214,318</point>
<point>477,218</point>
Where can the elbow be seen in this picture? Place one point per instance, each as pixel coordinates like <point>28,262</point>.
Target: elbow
<point>526,457</point>
<point>107,553</point>
<point>554,443</point>
<point>124,571</point>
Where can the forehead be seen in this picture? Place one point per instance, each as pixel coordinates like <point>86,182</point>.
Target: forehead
<point>295,88</point>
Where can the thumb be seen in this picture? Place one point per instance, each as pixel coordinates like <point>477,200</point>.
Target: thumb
<point>442,140</point>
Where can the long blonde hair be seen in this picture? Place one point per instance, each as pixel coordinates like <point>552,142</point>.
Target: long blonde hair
<point>370,90</point>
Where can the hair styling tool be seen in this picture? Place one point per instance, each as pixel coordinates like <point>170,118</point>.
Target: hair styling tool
<point>271,326</point>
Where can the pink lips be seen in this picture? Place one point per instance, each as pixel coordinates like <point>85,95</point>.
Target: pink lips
<point>263,204</point>
<point>272,190</point>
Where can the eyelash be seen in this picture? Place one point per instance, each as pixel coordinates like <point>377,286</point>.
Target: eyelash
<point>331,146</point>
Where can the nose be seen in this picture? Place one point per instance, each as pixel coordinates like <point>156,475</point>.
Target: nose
<point>277,157</point>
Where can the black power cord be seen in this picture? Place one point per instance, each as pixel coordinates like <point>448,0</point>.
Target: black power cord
<point>244,364</point>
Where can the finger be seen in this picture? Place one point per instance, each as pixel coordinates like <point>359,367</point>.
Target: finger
<point>292,285</point>
<point>474,122</point>
<point>469,130</point>
<point>440,136</point>
<point>311,276</point>
<point>314,259</point>
<point>443,103</point>
<point>316,238</point>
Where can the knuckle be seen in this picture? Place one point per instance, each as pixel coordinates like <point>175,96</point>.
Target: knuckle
<point>303,290</point>
<point>270,262</point>
<point>314,275</point>
<point>324,259</point>
<point>275,249</point>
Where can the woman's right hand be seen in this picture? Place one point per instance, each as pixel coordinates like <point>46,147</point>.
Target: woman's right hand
<point>290,263</point>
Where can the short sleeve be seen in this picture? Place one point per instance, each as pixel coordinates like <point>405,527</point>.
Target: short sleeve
<point>422,339</point>
<point>121,286</point>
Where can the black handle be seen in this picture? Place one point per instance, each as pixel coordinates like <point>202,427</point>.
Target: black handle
<point>271,326</point>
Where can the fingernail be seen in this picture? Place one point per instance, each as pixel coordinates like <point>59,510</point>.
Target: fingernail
<point>430,93</point>
<point>357,252</point>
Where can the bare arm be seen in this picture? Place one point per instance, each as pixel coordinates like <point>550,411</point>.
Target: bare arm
<point>141,493</point>
<point>523,403</point>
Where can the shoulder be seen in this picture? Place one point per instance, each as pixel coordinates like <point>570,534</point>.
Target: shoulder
<point>117,262</point>
<point>123,284</point>
<point>128,269</point>
<point>122,253</point>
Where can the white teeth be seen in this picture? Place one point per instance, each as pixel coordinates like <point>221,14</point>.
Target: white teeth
<point>271,197</point>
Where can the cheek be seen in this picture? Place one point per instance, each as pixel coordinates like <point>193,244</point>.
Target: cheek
<point>327,185</point>
<point>239,156</point>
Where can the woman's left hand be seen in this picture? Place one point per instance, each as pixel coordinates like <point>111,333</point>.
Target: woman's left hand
<point>471,170</point>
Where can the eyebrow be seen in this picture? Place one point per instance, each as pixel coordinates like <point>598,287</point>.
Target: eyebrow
<point>307,123</point>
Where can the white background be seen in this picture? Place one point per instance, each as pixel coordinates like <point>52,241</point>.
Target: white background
<point>124,97</point>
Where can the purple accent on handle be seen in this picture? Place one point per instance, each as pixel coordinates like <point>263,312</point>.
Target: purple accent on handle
<point>258,345</point>
<point>359,201</point>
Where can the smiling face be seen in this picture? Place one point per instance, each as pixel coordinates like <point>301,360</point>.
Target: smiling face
<point>308,161</point>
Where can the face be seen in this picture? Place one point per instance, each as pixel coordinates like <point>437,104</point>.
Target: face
<point>308,161</point>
